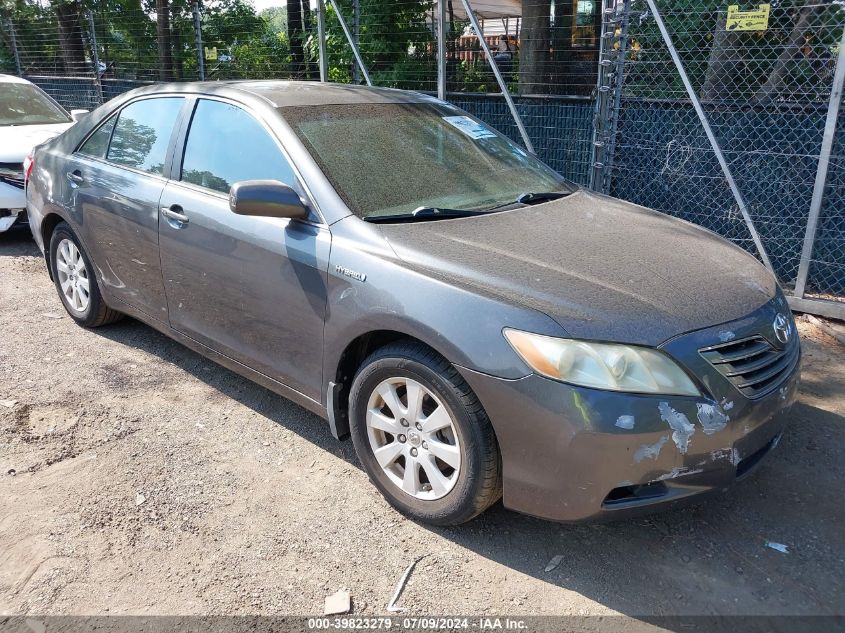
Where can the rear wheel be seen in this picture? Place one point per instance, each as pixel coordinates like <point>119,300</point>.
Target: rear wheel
<point>422,436</point>
<point>75,280</point>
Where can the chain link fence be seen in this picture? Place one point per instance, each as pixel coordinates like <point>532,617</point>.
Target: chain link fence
<point>761,79</point>
<point>721,120</point>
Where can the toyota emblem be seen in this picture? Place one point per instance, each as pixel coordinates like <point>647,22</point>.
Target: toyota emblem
<point>783,328</point>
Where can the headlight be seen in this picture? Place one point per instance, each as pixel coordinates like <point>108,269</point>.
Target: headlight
<point>602,365</point>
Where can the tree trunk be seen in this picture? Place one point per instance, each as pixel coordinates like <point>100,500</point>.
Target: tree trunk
<point>722,64</point>
<point>778,79</point>
<point>308,27</point>
<point>6,38</point>
<point>534,46</point>
<point>295,35</point>
<point>165,41</point>
<point>70,37</point>
<point>177,51</point>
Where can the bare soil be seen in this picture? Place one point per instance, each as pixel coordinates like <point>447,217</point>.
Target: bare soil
<point>137,477</point>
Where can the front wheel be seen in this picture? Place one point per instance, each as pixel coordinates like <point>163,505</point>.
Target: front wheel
<point>422,435</point>
<point>75,281</point>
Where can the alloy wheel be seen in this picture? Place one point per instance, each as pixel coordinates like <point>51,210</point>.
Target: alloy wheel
<point>413,438</point>
<point>74,279</point>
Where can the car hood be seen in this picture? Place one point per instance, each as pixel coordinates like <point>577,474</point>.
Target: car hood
<point>16,141</point>
<point>604,269</point>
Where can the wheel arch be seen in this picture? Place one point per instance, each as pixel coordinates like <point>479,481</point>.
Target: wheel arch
<point>348,364</point>
<point>48,225</point>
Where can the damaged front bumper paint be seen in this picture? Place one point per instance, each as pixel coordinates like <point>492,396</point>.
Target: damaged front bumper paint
<point>571,453</point>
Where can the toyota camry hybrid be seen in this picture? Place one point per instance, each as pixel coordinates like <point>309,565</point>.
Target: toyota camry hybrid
<point>480,326</point>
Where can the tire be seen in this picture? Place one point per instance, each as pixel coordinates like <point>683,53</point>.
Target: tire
<point>90,310</point>
<point>454,496</point>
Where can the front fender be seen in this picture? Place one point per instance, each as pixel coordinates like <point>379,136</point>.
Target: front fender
<point>370,289</point>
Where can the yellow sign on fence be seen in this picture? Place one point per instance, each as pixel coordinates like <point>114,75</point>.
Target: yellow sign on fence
<point>752,20</point>
<point>211,53</point>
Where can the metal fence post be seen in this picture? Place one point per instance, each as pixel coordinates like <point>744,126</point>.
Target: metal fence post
<point>601,114</point>
<point>714,143</point>
<point>195,9</point>
<point>618,82</point>
<point>356,34</point>
<point>441,49</point>
<point>501,81</point>
<point>821,171</point>
<point>321,40</point>
<point>351,41</point>
<point>14,42</point>
<point>95,56</point>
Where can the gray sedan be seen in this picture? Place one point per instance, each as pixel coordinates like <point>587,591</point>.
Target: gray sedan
<point>480,326</point>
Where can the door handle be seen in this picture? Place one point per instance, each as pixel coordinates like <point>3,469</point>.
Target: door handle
<point>75,177</point>
<point>174,213</point>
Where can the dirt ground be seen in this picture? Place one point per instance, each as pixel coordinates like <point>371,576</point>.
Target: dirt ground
<point>136,477</point>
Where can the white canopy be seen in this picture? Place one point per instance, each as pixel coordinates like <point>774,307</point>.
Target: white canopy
<point>487,9</point>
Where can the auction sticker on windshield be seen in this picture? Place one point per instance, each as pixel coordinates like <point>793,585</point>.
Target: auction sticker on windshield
<point>469,127</point>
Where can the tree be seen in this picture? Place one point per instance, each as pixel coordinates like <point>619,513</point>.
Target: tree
<point>276,19</point>
<point>779,78</point>
<point>295,35</point>
<point>70,36</point>
<point>535,40</point>
<point>721,66</point>
<point>398,46</point>
<point>255,47</point>
<point>792,57</point>
<point>165,40</point>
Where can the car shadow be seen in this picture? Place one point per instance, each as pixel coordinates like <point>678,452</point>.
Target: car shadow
<point>274,407</point>
<point>708,558</point>
<point>17,242</point>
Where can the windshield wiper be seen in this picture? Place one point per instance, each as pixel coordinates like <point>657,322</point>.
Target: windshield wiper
<point>544,196</point>
<point>424,213</point>
<point>440,213</point>
<point>532,198</point>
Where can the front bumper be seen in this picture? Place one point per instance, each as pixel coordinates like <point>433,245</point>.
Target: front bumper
<point>12,203</point>
<point>572,453</point>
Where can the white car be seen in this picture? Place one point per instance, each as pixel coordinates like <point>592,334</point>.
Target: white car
<point>28,117</point>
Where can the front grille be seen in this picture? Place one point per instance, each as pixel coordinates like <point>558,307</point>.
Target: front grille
<point>753,365</point>
<point>12,174</point>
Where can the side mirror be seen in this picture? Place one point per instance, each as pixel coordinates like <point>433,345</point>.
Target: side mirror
<point>77,114</point>
<point>267,198</point>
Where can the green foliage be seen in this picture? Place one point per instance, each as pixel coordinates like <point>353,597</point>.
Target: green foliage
<point>30,19</point>
<point>276,19</point>
<point>126,38</point>
<point>751,56</point>
<point>250,45</point>
<point>265,56</point>
<point>396,42</point>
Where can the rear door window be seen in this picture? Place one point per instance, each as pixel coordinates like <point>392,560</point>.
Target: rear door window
<point>142,134</point>
<point>98,143</point>
<point>227,145</point>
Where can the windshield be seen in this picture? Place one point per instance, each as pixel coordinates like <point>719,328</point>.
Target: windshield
<point>389,159</point>
<point>24,104</point>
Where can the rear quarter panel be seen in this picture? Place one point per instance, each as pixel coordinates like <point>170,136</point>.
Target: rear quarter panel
<point>46,189</point>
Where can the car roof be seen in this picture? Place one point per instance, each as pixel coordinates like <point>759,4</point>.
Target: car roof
<point>11,79</point>
<point>280,93</point>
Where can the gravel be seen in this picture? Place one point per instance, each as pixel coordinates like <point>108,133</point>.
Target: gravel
<point>137,477</point>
